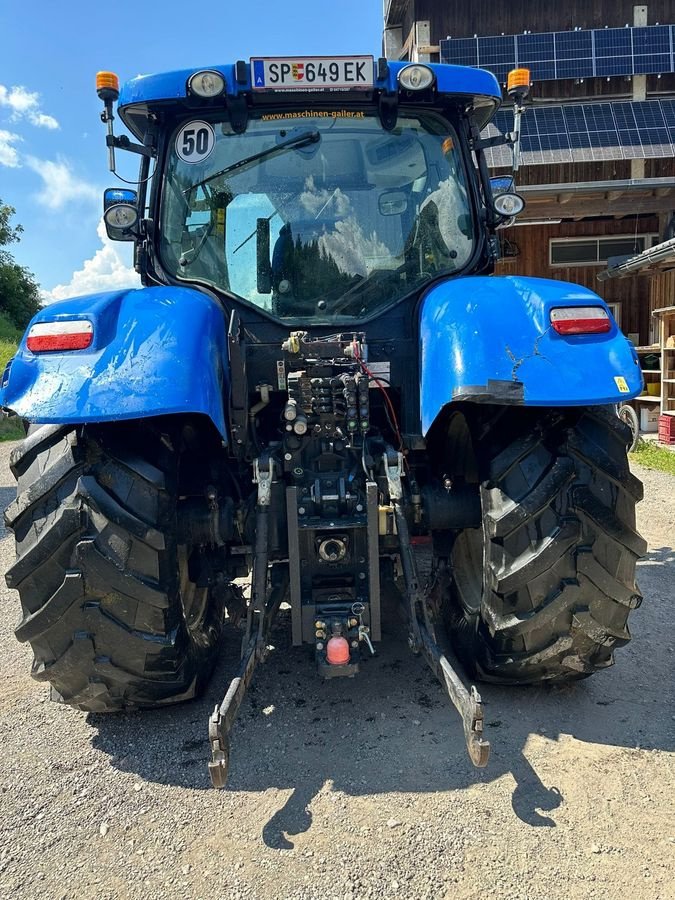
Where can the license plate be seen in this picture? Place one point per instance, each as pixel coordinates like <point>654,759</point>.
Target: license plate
<point>313,73</point>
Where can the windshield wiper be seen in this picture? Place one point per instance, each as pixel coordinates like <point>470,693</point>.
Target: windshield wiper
<point>298,140</point>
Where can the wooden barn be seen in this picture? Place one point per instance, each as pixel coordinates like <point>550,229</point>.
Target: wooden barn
<point>598,139</point>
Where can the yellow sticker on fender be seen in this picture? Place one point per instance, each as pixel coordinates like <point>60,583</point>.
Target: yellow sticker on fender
<point>621,384</point>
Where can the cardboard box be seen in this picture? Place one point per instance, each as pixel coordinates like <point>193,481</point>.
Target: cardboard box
<point>649,419</point>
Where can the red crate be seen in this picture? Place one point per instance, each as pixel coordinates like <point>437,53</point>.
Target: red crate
<point>667,429</point>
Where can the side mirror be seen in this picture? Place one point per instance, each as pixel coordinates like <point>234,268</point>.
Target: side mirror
<point>120,214</point>
<point>502,184</point>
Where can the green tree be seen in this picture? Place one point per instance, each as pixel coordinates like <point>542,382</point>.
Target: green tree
<point>19,293</point>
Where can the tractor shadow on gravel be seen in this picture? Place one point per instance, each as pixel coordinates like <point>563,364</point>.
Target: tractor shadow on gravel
<point>392,730</point>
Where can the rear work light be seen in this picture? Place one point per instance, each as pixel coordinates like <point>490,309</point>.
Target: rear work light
<point>580,320</point>
<point>72,335</point>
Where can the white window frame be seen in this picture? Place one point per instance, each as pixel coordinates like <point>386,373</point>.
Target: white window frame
<point>615,309</point>
<point>649,238</point>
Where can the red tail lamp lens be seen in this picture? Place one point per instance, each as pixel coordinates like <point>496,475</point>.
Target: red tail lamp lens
<point>580,320</point>
<point>337,651</point>
<point>50,336</point>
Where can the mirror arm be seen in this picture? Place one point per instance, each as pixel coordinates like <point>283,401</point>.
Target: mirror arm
<point>499,140</point>
<point>517,116</point>
<point>122,142</point>
<point>490,213</point>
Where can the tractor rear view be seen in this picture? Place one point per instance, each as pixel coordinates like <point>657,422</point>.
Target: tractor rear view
<point>320,376</point>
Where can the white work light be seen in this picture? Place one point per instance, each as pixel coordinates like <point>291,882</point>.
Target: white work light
<point>121,215</point>
<point>416,78</point>
<point>509,204</point>
<point>206,84</point>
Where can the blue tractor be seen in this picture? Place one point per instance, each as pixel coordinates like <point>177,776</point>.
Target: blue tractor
<point>321,387</point>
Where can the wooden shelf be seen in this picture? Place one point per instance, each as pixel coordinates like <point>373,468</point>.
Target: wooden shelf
<point>666,319</point>
<point>646,398</point>
<point>651,348</point>
<point>651,371</point>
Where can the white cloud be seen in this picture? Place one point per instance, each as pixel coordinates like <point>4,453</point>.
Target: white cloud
<point>61,185</point>
<point>105,271</point>
<point>8,154</point>
<point>25,104</point>
<point>353,251</point>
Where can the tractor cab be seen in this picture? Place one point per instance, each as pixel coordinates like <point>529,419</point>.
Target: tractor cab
<point>315,191</point>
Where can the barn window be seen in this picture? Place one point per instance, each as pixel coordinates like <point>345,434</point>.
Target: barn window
<point>596,251</point>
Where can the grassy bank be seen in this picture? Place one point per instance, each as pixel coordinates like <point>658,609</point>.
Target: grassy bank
<point>9,338</point>
<point>651,456</point>
<point>10,429</point>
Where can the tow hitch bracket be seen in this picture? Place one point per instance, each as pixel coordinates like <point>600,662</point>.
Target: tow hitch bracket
<point>263,607</point>
<point>467,702</point>
<point>422,635</point>
<point>223,716</point>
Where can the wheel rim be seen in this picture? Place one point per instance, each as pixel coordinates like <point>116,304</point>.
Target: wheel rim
<point>467,558</point>
<point>468,566</point>
<point>628,416</point>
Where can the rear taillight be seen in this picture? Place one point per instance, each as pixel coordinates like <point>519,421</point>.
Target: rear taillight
<point>580,320</point>
<point>72,335</point>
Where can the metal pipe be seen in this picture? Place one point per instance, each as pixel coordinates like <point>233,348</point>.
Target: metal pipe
<point>660,253</point>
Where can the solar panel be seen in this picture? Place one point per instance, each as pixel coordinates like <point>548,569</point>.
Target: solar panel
<point>553,138</point>
<point>627,128</point>
<point>613,51</point>
<point>650,122</point>
<point>582,132</point>
<point>601,52</point>
<point>574,54</point>
<point>537,52</point>
<point>668,110</point>
<point>497,54</point>
<point>652,50</point>
<point>464,51</point>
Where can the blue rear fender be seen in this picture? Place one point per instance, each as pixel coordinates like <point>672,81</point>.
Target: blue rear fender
<point>155,351</point>
<point>490,340</point>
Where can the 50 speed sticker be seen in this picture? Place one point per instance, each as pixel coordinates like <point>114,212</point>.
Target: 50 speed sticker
<point>195,142</point>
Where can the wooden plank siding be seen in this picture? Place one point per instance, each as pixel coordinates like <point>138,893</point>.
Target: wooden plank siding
<point>533,260</point>
<point>577,173</point>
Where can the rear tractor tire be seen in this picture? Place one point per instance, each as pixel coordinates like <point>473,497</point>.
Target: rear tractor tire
<point>543,590</point>
<point>110,604</point>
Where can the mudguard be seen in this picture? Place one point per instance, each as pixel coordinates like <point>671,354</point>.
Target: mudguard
<point>488,339</point>
<point>155,351</point>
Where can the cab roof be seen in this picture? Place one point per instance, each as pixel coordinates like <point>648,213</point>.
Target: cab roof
<point>172,86</point>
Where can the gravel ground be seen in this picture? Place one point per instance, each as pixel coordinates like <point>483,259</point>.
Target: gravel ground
<point>353,789</point>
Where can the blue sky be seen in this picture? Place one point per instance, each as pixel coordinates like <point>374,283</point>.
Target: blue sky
<point>53,162</point>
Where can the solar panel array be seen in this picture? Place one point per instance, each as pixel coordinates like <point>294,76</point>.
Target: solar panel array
<point>600,52</point>
<point>583,132</point>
